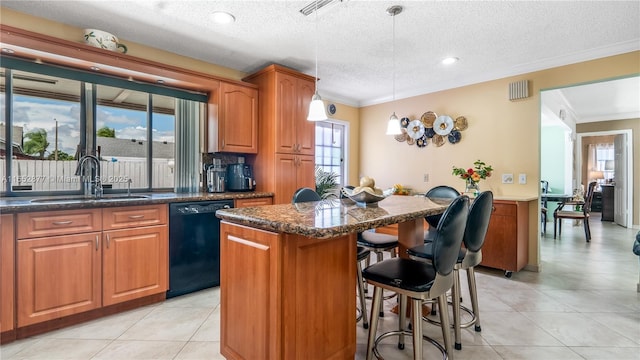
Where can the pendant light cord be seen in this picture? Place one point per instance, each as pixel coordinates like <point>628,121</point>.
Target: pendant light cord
<point>317,46</point>
<point>393,56</point>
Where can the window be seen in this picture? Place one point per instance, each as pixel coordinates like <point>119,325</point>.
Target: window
<point>57,115</point>
<point>331,149</point>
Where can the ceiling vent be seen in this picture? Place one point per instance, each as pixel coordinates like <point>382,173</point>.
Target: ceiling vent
<point>519,90</point>
<point>317,5</point>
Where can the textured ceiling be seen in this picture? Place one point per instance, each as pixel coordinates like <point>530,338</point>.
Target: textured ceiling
<point>493,39</point>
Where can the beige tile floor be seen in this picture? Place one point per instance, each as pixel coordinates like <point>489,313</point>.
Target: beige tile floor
<point>582,305</point>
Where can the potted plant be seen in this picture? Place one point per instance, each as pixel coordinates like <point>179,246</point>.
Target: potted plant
<point>326,183</point>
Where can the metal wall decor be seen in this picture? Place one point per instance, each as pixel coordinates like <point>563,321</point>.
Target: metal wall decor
<point>431,128</point>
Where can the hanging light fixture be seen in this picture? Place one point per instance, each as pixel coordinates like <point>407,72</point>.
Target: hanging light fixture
<point>317,112</point>
<point>393,126</point>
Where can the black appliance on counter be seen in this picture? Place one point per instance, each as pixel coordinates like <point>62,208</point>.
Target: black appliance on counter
<point>240,177</point>
<point>194,246</point>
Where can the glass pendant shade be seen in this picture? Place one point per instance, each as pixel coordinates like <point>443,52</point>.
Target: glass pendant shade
<point>317,111</point>
<point>393,126</point>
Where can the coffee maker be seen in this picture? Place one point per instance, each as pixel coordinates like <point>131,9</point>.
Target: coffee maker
<point>216,177</point>
<point>240,177</point>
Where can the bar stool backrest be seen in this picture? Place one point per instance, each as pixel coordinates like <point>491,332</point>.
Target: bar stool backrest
<point>450,231</point>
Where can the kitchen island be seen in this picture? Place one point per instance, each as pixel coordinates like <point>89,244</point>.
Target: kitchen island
<point>288,274</point>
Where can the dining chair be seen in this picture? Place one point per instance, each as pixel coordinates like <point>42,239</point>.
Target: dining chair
<point>305,194</point>
<point>442,192</point>
<point>468,257</point>
<point>575,214</point>
<point>544,189</point>
<point>420,281</point>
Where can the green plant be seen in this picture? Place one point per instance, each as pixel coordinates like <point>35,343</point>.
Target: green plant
<point>474,174</point>
<point>326,183</point>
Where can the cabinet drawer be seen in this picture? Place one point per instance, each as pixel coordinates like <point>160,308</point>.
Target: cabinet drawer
<point>132,216</point>
<point>38,224</point>
<point>253,202</point>
<point>504,209</point>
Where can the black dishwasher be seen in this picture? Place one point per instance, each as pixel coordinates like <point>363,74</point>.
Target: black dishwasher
<point>194,246</point>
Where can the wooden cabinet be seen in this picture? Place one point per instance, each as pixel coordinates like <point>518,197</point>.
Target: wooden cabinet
<point>63,271</point>
<point>58,264</point>
<point>233,126</point>
<point>607,202</point>
<point>286,140</point>
<point>7,285</point>
<point>240,203</point>
<point>506,245</point>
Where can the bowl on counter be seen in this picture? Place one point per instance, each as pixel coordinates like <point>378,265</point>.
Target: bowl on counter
<point>365,198</point>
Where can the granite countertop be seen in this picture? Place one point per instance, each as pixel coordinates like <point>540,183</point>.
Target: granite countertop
<point>63,202</point>
<point>330,218</point>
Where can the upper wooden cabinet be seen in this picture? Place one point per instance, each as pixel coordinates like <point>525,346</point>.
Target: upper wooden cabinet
<point>283,129</point>
<point>235,127</point>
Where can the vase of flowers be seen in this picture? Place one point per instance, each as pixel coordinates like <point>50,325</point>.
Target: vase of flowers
<point>473,175</point>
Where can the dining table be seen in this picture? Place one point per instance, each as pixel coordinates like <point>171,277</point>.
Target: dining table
<point>288,273</point>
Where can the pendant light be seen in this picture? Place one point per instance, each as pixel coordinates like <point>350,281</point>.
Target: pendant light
<point>317,112</point>
<point>393,125</point>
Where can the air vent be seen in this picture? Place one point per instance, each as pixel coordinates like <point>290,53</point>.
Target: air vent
<point>519,90</point>
<point>318,4</point>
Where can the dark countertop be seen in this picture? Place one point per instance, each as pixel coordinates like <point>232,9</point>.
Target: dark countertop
<point>330,218</point>
<point>63,202</point>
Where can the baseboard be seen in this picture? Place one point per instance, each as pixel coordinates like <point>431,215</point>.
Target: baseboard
<point>533,268</point>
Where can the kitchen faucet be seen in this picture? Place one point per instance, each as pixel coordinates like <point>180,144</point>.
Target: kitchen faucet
<point>94,186</point>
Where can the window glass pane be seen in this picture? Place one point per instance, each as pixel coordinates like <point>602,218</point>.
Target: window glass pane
<point>46,132</point>
<point>121,136</point>
<point>329,148</point>
<point>163,136</point>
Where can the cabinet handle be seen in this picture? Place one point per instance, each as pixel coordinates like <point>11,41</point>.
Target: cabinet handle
<point>136,216</point>
<point>97,242</point>
<point>108,240</point>
<point>67,222</point>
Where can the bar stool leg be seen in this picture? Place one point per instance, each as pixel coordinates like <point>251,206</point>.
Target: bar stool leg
<point>416,307</point>
<point>371,341</point>
<point>473,291</point>
<point>444,321</point>
<point>403,320</point>
<point>455,297</point>
<point>363,304</point>
<point>379,258</point>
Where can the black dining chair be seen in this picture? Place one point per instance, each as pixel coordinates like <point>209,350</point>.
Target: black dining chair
<point>420,281</point>
<point>441,192</point>
<point>468,257</point>
<point>305,194</point>
<point>544,189</point>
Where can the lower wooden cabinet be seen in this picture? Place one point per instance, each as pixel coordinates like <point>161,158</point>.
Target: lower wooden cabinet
<point>135,263</point>
<point>506,245</point>
<point>7,285</point>
<point>240,203</point>
<point>58,276</point>
<point>71,272</point>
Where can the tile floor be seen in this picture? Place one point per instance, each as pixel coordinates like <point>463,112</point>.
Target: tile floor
<point>582,305</point>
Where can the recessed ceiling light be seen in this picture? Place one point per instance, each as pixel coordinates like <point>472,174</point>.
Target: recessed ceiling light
<point>450,60</point>
<point>221,17</point>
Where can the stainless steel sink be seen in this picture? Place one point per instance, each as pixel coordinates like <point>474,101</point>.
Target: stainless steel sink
<point>80,198</point>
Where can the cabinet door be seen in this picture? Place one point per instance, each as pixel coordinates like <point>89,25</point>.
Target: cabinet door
<point>238,123</point>
<point>7,267</point>
<point>286,173</point>
<point>305,171</point>
<point>286,104</point>
<point>305,129</point>
<point>135,263</point>
<point>58,276</point>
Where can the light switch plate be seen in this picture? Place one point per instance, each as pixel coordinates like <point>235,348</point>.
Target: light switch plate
<point>507,178</point>
<point>522,178</point>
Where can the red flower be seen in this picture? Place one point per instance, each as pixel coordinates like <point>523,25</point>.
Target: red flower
<point>470,171</point>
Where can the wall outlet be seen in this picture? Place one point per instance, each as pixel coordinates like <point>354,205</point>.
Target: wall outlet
<point>507,178</point>
<point>425,178</point>
<point>522,178</point>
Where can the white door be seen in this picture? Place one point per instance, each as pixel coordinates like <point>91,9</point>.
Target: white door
<point>620,193</point>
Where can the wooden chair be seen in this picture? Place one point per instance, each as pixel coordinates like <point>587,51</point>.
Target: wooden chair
<point>581,214</point>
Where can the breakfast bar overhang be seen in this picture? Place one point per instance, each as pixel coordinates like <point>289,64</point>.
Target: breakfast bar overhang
<point>288,274</point>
